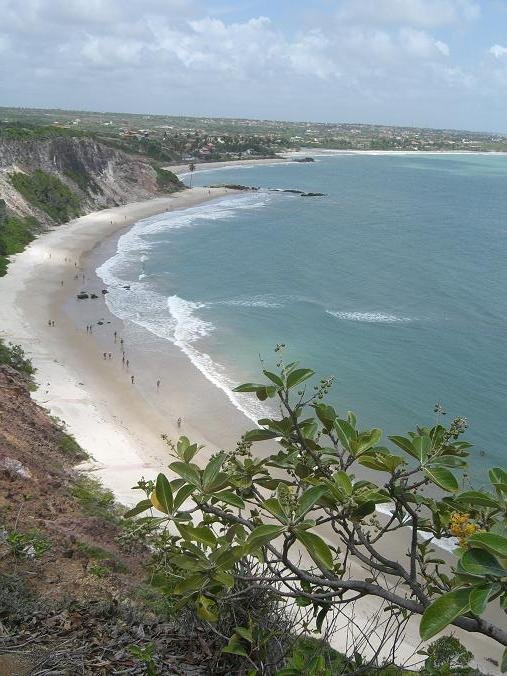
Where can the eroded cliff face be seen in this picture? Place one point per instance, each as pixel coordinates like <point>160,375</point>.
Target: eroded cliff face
<point>99,175</point>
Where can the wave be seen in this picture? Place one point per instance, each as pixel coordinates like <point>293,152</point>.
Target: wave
<point>173,318</point>
<point>253,301</point>
<point>372,317</point>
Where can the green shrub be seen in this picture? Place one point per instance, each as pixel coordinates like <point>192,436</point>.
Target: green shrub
<point>69,447</point>
<point>95,499</point>
<point>30,545</point>
<point>166,180</point>
<point>48,193</point>
<point>14,356</point>
<point>15,234</point>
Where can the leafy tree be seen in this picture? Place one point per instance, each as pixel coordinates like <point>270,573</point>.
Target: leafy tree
<point>304,508</point>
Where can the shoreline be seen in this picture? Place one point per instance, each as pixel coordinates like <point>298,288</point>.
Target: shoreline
<point>106,417</point>
<point>94,397</point>
<point>182,170</point>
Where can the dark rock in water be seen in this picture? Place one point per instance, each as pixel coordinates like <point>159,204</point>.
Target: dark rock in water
<point>104,291</point>
<point>293,191</point>
<point>100,322</point>
<point>93,295</point>
<point>235,186</point>
<point>127,286</point>
<point>82,295</point>
<point>303,159</point>
<point>313,194</point>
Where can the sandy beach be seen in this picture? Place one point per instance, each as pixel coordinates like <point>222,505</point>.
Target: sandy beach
<point>119,422</point>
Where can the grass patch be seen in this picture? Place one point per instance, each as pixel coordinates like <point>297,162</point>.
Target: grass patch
<point>70,448</point>
<point>48,193</point>
<point>96,500</point>
<point>100,554</point>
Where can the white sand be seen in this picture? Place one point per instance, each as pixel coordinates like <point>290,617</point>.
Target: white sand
<point>109,418</point>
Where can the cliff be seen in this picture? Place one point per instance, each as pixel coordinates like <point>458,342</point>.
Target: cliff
<point>75,597</point>
<point>96,175</point>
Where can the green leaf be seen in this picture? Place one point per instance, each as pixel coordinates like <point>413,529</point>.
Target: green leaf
<point>187,471</point>
<point>443,611</point>
<point>260,435</point>
<point>273,506</point>
<point>504,661</point>
<point>261,535</point>
<point>212,469</point>
<point>298,376</point>
<point>326,414</point>
<point>422,447</point>
<point>366,440</point>
<point>164,494</point>
<point>479,599</point>
<point>138,509</point>
<point>406,445</point>
<point>224,578</point>
<point>482,562</point>
<point>229,498</point>
<point>235,647</point>
<point>442,477</point>
<point>448,461</point>
<point>184,493</point>
<point>190,584</point>
<point>343,481</point>
<point>493,542</point>
<point>308,499</point>
<point>207,608</point>
<point>265,392</point>
<point>346,433</point>
<point>274,378</point>
<point>244,633</point>
<point>477,498</point>
<point>497,475</point>
<point>248,387</point>
<point>316,547</point>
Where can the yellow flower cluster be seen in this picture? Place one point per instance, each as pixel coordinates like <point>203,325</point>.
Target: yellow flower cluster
<point>461,526</point>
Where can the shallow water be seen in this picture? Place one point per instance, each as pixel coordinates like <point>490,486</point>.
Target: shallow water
<point>394,283</point>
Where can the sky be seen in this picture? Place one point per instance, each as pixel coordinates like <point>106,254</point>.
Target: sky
<point>431,63</point>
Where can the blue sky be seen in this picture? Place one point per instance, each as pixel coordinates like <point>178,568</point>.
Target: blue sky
<point>438,63</point>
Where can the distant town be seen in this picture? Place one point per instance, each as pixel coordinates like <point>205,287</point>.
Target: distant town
<point>174,140</point>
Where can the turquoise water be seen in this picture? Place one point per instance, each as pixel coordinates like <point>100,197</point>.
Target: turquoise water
<point>395,283</point>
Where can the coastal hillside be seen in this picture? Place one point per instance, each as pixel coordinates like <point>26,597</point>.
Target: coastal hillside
<point>50,177</point>
<point>89,175</point>
<point>67,564</point>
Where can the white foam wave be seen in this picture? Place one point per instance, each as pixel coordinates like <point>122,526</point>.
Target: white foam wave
<point>253,301</point>
<point>373,317</point>
<point>187,331</point>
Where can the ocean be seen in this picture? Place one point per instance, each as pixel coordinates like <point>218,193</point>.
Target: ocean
<point>395,283</point>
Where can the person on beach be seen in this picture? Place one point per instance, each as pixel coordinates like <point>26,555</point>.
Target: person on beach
<point>179,422</point>
<point>132,379</point>
<point>127,362</point>
<point>61,282</point>
<point>123,360</point>
<point>105,355</point>
<point>49,322</point>
<point>115,334</point>
<point>109,355</point>
<point>121,342</point>
<point>53,322</point>
<point>158,384</point>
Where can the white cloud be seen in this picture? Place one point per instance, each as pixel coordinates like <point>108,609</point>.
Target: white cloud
<point>421,13</point>
<point>420,44</point>
<point>498,51</point>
